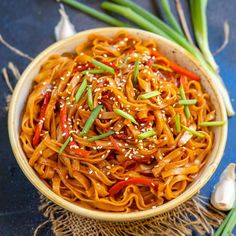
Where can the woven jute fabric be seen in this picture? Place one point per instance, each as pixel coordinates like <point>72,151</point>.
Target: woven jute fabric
<point>194,215</point>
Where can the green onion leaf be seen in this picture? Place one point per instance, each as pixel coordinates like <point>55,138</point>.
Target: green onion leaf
<point>228,223</point>
<point>100,136</point>
<point>170,17</point>
<point>125,115</point>
<point>124,63</point>
<point>149,95</point>
<point>186,108</point>
<point>194,132</point>
<point>81,90</point>
<point>212,123</point>
<point>90,120</point>
<point>199,20</point>
<point>188,102</point>
<point>177,123</point>
<point>90,98</point>
<point>102,66</point>
<point>91,11</point>
<point>92,71</point>
<point>136,68</point>
<point>64,145</point>
<point>150,22</point>
<point>147,134</point>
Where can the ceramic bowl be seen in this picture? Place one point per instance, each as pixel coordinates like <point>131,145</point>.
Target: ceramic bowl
<point>166,47</point>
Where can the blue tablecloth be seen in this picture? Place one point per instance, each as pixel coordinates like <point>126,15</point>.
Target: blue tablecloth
<point>29,25</point>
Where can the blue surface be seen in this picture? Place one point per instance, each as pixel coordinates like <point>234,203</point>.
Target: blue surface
<point>29,25</point>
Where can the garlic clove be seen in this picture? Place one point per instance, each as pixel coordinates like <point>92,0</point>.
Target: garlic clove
<point>224,193</point>
<point>64,28</point>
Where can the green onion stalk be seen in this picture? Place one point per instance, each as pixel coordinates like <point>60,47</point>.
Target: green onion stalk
<point>99,15</point>
<point>170,17</point>
<point>198,14</point>
<point>149,22</point>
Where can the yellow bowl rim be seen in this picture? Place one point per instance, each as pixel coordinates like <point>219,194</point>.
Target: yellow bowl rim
<point>108,216</point>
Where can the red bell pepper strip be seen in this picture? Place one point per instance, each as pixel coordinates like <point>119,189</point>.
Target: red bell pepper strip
<point>64,128</point>
<point>129,164</point>
<point>63,121</point>
<point>115,144</point>
<point>176,67</point>
<point>39,126</point>
<point>137,181</point>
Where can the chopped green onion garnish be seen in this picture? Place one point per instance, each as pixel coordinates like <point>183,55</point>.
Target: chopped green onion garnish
<point>188,102</point>
<point>103,66</point>
<point>100,136</point>
<point>147,134</point>
<point>212,123</point>
<point>81,90</point>
<point>186,108</point>
<point>165,68</point>
<point>194,132</point>
<point>149,95</point>
<point>64,145</point>
<point>90,120</point>
<point>92,71</point>
<point>124,63</point>
<point>90,98</point>
<point>136,65</point>
<point>177,123</point>
<point>125,115</point>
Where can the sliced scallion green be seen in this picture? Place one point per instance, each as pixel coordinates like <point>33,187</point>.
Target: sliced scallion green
<point>90,120</point>
<point>64,145</point>
<point>188,102</point>
<point>81,90</point>
<point>186,108</point>
<point>100,136</point>
<point>92,71</point>
<point>124,63</point>
<point>136,68</point>
<point>125,115</point>
<point>90,98</point>
<point>149,95</point>
<point>212,123</point>
<point>194,132</point>
<point>177,123</point>
<point>147,134</point>
<point>102,66</point>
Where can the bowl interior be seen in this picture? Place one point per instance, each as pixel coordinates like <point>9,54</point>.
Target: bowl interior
<point>172,51</point>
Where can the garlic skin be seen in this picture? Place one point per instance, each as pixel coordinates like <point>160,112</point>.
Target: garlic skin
<point>64,28</point>
<point>224,193</point>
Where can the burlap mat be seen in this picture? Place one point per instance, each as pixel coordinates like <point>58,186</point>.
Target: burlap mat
<point>194,215</point>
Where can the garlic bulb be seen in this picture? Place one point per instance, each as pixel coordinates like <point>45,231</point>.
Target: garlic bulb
<point>224,193</point>
<point>64,28</point>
